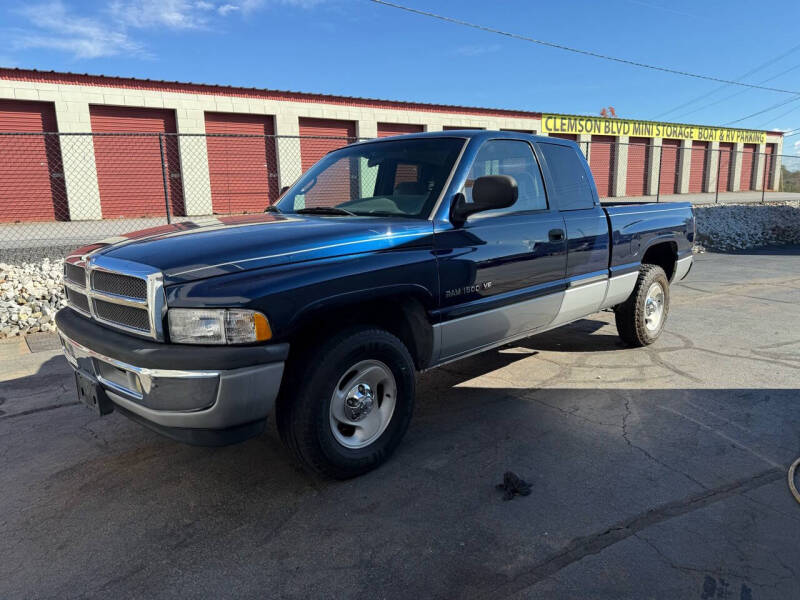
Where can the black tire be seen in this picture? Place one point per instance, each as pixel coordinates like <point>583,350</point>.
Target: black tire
<point>631,316</point>
<point>304,417</point>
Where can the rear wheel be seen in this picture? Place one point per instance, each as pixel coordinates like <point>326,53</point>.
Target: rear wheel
<point>347,405</point>
<point>641,318</point>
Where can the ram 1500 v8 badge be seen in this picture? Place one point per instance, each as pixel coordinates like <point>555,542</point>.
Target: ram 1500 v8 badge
<point>386,258</point>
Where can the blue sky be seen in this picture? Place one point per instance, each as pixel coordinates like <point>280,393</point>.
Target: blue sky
<point>358,48</point>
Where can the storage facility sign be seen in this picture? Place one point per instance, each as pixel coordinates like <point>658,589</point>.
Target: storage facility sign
<point>606,126</point>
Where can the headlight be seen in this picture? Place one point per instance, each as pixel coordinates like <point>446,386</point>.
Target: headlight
<point>217,326</point>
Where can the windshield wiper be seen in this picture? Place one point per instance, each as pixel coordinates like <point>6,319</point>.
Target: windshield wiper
<point>325,210</point>
<point>273,208</point>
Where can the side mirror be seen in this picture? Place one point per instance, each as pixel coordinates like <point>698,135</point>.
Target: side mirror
<point>489,192</point>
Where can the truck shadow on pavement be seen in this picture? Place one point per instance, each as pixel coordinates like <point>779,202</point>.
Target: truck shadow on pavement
<point>677,484</point>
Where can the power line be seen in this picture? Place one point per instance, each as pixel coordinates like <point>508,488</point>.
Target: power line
<point>735,94</point>
<point>722,87</point>
<point>769,108</point>
<point>776,117</point>
<point>577,50</point>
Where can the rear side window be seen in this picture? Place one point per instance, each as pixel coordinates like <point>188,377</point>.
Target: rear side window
<point>570,182</point>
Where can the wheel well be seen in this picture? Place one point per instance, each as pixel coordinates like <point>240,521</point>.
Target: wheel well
<point>404,317</point>
<point>665,255</point>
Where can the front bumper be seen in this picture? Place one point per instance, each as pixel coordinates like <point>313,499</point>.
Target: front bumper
<point>207,395</point>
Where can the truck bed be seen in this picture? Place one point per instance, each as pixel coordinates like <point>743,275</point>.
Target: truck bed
<point>635,226</point>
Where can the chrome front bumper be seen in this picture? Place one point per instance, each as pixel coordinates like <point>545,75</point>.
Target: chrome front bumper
<point>182,399</point>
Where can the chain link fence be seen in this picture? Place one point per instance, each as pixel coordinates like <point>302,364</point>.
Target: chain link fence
<point>668,171</point>
<point>59,191</point>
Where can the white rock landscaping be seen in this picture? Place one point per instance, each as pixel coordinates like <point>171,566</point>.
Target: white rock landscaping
<point>729,227</point>
<point>30,295</point>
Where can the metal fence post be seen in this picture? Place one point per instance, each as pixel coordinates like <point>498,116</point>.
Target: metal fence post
<point>658,179</point>
<point>716,186</point>
<point>164,176</point>
<point>764,180</point>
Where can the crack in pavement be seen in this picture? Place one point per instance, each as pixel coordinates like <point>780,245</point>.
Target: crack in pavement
<point>626,437</point>
<point>724,436</point>
<point>595,543</point>
<point>719,572</point>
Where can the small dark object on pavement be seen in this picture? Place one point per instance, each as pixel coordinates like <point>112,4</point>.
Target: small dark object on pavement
<point>513,486</point>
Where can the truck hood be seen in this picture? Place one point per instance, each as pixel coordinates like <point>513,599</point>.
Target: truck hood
<point>192,250</point>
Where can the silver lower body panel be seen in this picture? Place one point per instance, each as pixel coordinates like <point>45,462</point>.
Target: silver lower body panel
<point>476,333</point>
<point>464,335</point>
<point>682,268</point>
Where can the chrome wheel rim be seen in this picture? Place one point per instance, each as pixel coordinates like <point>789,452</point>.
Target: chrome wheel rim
<point>654,307</point>
<point>362,404</point>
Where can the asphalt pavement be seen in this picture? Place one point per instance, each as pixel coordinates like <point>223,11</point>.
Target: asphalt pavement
<point>656,473</point>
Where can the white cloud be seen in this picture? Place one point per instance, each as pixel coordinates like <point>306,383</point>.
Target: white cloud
<point>107,31</point>
<point>477,50</point>
<point>227,8</point>
<point>172,14</point>
<point>84,37</point>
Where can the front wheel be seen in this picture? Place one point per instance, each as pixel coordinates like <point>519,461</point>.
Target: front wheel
<point>641,318</point>
<point>348,404</point>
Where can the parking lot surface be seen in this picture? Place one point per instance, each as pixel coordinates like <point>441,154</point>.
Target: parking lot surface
<point>656,473</point>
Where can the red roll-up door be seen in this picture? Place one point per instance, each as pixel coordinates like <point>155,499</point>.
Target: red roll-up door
<point>697,169</point>
<point>670,165</point>
<point>389,129</point>
<point>746,179</point>
<point>129,169</point>
<point>31,172</point>
<point>601,162</point>
<point>242,162</point>
<point>565,136</point>
<point>638,158</point>
<point>313,147</point>
<point>724,168</point>
<point>457,127</point>
<point>769,151</point>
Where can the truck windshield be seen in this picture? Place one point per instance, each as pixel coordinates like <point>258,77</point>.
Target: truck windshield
<point>398,178</point>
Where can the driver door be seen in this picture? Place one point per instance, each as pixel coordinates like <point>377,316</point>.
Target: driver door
<point>501,273</point>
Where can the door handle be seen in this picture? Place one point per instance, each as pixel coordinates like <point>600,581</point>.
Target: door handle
<point>555,235</point>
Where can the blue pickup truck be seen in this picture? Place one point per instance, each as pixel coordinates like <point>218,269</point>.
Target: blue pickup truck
<point>386,258</point>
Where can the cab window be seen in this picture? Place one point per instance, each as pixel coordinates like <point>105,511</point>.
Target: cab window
<point>514,158</point>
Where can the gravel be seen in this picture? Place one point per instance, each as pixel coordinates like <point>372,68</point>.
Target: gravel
<point>30,295</point>
<point>32,292</point>
<point>732,227</point>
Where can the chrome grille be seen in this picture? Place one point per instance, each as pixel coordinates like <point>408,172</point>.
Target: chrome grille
<point>120,285</point>
<point>75,274</point>
<point>121,314</point>
<point>120,293</point>
<point>78,300</point>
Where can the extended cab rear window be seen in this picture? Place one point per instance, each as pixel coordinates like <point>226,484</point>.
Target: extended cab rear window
<point>571,185</point>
